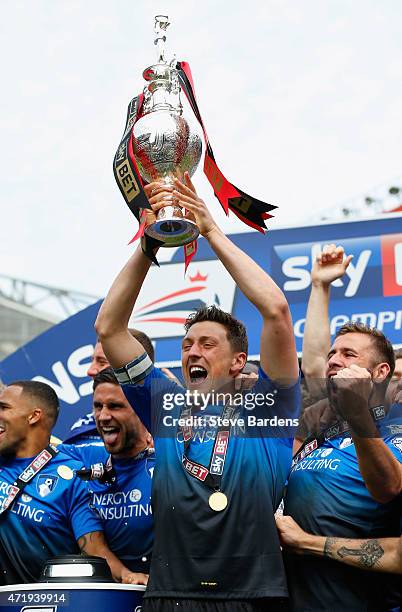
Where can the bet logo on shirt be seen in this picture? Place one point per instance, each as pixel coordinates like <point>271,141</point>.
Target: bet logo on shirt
<point>45,484</point>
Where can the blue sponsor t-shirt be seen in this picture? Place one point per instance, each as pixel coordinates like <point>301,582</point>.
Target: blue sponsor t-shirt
<point>327,496</point>
<point>124,507</point>
<point>46,519</point>
<point>199,552</point>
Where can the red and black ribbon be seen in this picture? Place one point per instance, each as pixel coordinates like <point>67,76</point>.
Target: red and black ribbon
<point>130,182</point>
<point>125,167</point>
<point>251,211</point>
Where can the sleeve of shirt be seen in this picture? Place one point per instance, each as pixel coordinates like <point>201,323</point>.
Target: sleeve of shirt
<point>144,387</point>
<point>72,451</point>
<point>273,411</point>
<point>284,402</point>
<point>82,518</point>
<point>85,454</point>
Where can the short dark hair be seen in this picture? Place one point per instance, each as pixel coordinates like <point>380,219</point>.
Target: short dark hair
<point>381,344</point>
<point>236,331</point>
<point>105,376</point>
<point>43,393</point>
<point>145,341</point>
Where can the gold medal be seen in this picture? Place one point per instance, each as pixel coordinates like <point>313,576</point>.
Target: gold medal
<point>218,501</point>
<point>65,472</point>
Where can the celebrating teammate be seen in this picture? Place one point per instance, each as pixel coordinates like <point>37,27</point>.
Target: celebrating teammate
<point>346,477</point>
<point>121,494</point>
<point>44,510</point>
<point>213,495</point>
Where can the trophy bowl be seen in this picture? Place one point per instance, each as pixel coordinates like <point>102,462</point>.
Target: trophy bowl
<point>164,143</point>
<point>164,148</point>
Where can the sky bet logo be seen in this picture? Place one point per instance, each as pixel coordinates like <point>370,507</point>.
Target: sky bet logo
<point>376,268</point>
<point>391,254</point>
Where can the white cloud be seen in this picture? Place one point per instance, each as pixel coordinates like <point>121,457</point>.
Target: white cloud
<point>301,101</point>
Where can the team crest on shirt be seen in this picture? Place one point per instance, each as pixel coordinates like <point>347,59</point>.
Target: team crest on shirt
<point>45,484</point>
<point>397,442</point>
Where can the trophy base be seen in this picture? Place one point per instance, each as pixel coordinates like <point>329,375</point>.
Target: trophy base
<point>173,232</point>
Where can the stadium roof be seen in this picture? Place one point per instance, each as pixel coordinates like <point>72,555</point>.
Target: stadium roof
<point>21,319</point>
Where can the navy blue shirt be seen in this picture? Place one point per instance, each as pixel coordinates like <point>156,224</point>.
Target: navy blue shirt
<point>200,553</point>
<point>46,519</point>
<point>124,507</point>
<point>327,496</point>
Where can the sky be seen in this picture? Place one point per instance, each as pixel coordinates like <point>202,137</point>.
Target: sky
<point>301,99</point>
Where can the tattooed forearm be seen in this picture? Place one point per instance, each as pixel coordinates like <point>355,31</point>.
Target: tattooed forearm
<point>368,553</point>
<point>87,541</point>
<point>329,546</point>
<point>83,543</point>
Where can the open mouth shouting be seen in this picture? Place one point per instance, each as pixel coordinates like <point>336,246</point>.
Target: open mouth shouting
<point>198,375</point>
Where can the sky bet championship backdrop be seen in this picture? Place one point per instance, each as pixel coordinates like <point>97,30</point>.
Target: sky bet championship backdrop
<point>370,292</point>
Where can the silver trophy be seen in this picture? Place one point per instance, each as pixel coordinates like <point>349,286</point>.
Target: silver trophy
<point>164,145</point>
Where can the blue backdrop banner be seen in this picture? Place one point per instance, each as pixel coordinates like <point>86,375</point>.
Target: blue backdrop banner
<point>371,291</point>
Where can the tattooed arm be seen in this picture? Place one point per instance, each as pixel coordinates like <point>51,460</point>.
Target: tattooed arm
<point>382,555</point>
<point>94,544</point>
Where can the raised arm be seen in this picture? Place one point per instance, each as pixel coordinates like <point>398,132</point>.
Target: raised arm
<point>278,351</point>
<point>381,471</point>
<point>112,322</point>
<point>354,393</point>
<point>329,265</point>
<point>378,555</point>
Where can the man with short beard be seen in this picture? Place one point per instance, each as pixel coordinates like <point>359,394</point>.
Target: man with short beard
<point>44,508</point>
<point>326,494</point>
<point>120,476</point>
<point>83,432</point>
